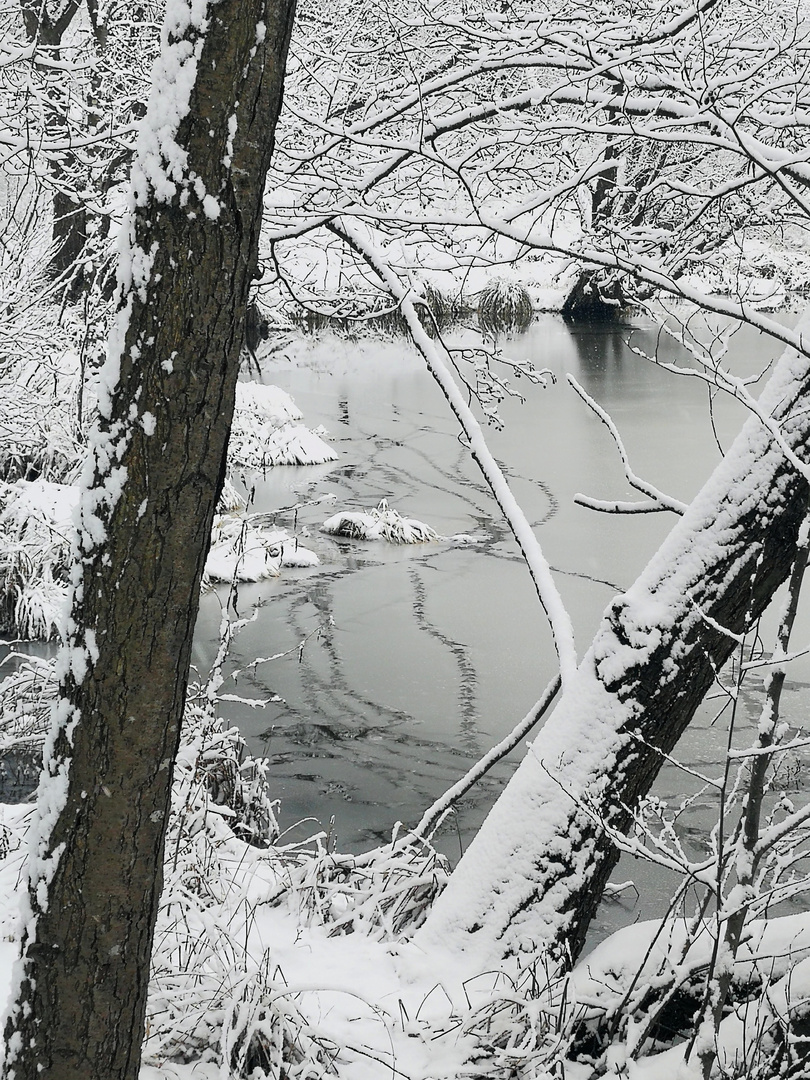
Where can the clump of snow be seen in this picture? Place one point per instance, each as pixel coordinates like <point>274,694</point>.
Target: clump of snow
<point>53,503</point>
<point>161,164</point>
<point>243,549</point>
<point>380,523</point>
<point>266,431</point>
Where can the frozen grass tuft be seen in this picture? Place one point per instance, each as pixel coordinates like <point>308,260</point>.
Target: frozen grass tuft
<point>441,308</point>
<point>36,532</point>
<point>504,305</point>
<point>380,523</point>
<point>248,547</point>
<point>384,895</point>
<point>27,695</point>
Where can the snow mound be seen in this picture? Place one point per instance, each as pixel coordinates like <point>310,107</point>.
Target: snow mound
<point>242,549</point>
<point>269,402</point>
<point>267,431</point>
<point>381,523</point>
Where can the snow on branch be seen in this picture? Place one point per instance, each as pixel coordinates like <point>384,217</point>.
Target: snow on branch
<point>659,501</point>
<point>438,362</point>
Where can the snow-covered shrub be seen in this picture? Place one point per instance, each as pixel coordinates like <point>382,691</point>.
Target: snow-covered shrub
<point>441,308</point>
<point>379,523</point>
<point>26,697</point>
<point>219,993</point>
<point>38,434</point>
<point>504,305</point>
<point>36,532</point>
<point>267,431</point>
<point>247,547</point>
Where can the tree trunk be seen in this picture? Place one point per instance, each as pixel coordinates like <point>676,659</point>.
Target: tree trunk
<point>69,230</point>
<point>156,464</point>
<point>595,297</point>
<point>534,875</point>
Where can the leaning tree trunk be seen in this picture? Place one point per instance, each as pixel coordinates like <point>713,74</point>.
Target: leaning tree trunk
<point>534,875</point>
<point>155,467</point>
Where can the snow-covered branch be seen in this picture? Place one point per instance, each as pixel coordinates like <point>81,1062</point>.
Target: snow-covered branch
<point>436,357</point>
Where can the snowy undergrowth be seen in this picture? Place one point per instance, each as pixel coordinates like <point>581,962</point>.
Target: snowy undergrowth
<point>39,363</point>
<point>36,535</point>
<point>38,431</point>
<point>267,431</point>
<point>296,961</point>
<point>263,953</point>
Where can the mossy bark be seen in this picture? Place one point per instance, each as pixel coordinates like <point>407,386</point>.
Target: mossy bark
<point>81,1003</point>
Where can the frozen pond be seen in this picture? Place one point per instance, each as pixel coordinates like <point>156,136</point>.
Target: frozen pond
<point>418,658</point>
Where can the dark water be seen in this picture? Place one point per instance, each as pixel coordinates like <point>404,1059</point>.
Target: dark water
<point>417,659</point>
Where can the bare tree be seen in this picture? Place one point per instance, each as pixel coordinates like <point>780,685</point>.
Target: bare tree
<point>634,140</point>
<point>533,876</point>
<point>156,463</point>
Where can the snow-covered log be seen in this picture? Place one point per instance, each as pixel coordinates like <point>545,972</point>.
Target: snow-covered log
<point>533,876</point>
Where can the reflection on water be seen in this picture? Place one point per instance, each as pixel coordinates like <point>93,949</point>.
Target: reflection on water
<point>425,656</point>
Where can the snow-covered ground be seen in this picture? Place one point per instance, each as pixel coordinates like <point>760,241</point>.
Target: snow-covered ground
<point>309,949</point>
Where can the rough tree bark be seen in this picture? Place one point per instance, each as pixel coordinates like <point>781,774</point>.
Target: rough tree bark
<point>534,875</point>
<point>151,484</point>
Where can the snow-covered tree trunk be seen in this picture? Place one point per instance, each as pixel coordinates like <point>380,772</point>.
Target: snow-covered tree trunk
<point>156,463</point>
<point>534,874</point>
